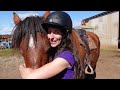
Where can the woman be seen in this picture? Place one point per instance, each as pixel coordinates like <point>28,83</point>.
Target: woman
<point>58,25</point>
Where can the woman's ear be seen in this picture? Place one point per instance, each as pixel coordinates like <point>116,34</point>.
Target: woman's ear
<point>16,18</point>
<point>45,15</point>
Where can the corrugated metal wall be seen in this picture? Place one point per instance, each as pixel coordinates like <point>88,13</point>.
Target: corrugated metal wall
<point>107,28</point>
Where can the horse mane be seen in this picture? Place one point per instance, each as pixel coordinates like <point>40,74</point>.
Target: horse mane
<point>29,26</point>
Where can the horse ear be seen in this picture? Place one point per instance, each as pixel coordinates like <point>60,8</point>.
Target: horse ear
<point>45,15</point>
<point>16,18</point>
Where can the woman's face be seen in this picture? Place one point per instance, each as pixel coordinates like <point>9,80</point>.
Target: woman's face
<point>54,36</point>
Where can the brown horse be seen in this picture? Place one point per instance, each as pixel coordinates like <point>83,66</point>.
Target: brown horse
<point>31,39</point>
<point>87,45</point>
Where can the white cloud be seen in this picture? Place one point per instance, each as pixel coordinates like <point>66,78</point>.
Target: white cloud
<point>28,13</point>
<point>76,23</point>
<point>5,31</point>
<point>31,11</point>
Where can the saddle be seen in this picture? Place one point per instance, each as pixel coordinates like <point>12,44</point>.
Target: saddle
<point>83,39</point>
<point>86,40</point>
<point>89,45</point>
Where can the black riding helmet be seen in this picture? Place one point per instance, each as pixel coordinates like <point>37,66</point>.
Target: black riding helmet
<point>58,19</point>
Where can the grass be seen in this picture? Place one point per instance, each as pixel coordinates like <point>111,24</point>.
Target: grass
<point>8,52</point>
<point>108,50</point>
<point>11,52</point>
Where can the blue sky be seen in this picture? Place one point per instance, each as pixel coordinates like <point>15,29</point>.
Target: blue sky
<point>6,18</point>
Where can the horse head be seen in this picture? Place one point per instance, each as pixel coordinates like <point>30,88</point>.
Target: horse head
<point>31,40</point>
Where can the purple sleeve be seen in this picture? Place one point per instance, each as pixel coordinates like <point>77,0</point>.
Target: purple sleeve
<point>68,56</point>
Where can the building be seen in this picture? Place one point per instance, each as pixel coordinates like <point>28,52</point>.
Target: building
<point>5,37</point>
<point>106,26</point>
<point>5,41</point>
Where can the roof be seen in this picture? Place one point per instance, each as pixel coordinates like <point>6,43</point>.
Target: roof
<point>87,27</point>
<point>98,15</point>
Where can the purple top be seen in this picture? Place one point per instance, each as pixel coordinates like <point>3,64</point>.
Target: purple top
<point>69,72</point>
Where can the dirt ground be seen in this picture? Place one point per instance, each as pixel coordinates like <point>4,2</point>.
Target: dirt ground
<point>108,66</point>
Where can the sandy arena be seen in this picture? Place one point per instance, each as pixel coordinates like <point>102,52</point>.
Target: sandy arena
<point>108,66</point>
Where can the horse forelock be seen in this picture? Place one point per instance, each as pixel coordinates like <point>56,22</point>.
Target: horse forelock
<point>26,28</point>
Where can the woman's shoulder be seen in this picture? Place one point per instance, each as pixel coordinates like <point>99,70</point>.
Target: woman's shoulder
<point>66,51</point>
<point>67,55</point>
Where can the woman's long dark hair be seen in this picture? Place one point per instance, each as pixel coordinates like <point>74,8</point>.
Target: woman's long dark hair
<point>67,45</point>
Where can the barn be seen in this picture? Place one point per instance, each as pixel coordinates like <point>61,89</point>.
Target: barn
<point>106,26</point>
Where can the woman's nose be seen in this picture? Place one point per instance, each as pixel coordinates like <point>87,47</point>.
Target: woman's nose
<point>51,35</point>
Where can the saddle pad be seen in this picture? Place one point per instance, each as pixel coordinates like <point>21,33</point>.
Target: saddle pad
<point>91,43</point>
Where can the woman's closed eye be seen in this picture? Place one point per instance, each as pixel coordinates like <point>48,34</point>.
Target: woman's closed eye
<point>54,32</point>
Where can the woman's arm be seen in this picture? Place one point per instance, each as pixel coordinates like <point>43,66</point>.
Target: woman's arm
<point>47,71</point>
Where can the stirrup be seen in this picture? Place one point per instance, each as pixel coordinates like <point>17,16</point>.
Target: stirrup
<point>91,69</point>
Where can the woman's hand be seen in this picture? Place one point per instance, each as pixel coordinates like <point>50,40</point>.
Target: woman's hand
<point>25,72</point>
<point>46,71</point>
